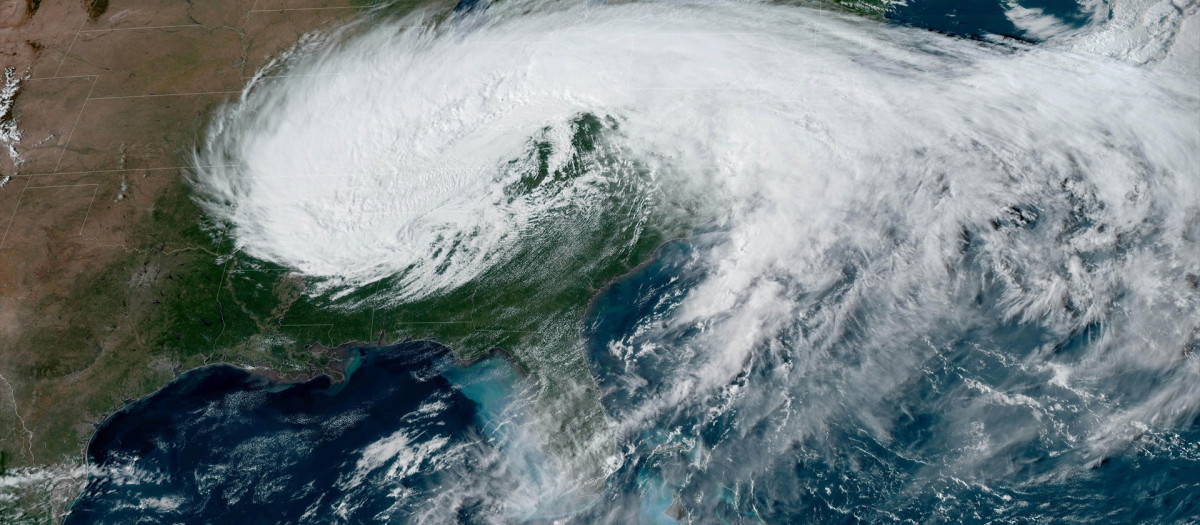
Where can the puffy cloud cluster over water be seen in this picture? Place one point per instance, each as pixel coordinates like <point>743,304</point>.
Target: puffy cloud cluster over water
<point>875,198</point>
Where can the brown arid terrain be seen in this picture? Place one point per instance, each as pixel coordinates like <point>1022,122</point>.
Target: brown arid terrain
<point>112,281</point>
<point>111,97</point>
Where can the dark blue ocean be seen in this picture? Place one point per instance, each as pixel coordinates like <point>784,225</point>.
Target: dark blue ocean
<point>848,473</point>
<point>413,436</point>
<point>982,18</point>
<point>220,445</point>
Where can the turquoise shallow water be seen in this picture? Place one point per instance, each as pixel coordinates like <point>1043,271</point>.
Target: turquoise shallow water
<point>968,416</point>
<point>219,444</point>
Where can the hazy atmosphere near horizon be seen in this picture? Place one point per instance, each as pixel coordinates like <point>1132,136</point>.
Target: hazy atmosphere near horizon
<point>599,262</point>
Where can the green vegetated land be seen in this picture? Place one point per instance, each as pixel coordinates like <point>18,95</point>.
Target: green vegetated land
<point>187,298</point>
<point>236,309</point>
<point>868,8</point>
<point>530,303</point>
<point>874,9</point>
<point>184,297</point>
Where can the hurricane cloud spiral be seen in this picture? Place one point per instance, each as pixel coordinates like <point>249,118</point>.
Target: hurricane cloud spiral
<point>864,197</point>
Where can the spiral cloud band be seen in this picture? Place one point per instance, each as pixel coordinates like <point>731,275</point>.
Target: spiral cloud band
<point>869,200</point>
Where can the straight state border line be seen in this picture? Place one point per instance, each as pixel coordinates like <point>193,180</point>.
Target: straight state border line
<point>28,186</point>
<point>66,143</point>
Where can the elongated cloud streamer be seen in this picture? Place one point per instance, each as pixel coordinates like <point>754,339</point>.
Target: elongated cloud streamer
<point>875,196</point>
<point>356,162</point>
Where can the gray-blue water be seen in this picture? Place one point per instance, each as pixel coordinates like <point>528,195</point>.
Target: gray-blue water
<point>413,436</point>
<point>219,445</point>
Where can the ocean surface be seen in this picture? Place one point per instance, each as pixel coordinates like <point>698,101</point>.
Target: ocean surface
<point>978,19</point>
<point>901,476</point>
<point>934,275</point>
<point>221,445</point>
